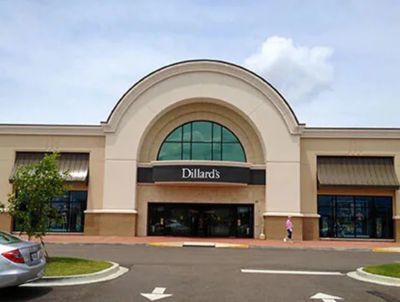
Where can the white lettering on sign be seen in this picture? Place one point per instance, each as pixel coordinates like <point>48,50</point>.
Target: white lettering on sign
<point>197,173</point>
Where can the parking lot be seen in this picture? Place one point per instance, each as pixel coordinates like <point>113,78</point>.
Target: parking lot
<point>209,274</point>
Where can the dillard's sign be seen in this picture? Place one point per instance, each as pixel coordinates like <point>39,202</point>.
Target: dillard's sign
<point>203,173</point>
<point>198,173</point>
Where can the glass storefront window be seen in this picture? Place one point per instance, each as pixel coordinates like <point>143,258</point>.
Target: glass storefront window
<point>202,140</point>
<point>70,208</point>
<point>325,210</point>
<point>355,216</point>
<point>78,203</point>
<point>344,217</point>
<point>363,225</point>
<point>61,205</point>
<point>383,214</point>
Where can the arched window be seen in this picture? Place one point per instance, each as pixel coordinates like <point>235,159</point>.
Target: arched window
<point>202,140</point>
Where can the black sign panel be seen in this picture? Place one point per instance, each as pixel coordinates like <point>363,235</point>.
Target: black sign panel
<point>185,173</point>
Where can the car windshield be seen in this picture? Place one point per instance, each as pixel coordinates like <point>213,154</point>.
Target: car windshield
<point>6,238</point>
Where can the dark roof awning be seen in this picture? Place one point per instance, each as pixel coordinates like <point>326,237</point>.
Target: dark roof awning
<point>356,171</point>
<point>77,164</point>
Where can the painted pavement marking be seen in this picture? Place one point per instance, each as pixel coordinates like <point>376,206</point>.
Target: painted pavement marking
<point>283,272</point>
<point>325,297</point>
<point>157,294</point>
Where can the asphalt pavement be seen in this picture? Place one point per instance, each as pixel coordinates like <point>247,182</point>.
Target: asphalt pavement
<point>210,274</point>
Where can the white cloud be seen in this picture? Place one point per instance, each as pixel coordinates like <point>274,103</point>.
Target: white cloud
<point>298,72</point>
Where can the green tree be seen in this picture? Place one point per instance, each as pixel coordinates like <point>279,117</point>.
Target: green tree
<point>35,186</point>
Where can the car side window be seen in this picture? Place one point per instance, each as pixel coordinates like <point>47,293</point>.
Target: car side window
<point>8,239</point>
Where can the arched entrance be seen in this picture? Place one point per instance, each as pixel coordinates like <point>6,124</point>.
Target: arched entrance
<point>202,90</point>
<point>203,158</point>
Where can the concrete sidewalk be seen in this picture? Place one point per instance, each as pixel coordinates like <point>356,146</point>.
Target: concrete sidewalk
<point>130,240</point>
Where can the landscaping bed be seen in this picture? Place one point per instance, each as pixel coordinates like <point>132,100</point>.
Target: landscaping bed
<point>65,266</point>
<point>388,270</point>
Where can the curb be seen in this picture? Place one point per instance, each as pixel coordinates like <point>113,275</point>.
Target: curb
<point>240,245</point>
<point>387,249</point>
<point>107,274</point>
<point>198,244</point>
<point>311,248</point>
<point>362,275</point>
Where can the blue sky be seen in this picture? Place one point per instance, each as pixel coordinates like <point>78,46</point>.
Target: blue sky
<point>68,62</point>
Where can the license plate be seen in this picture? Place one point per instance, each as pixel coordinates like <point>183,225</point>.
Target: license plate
<point>34,256</point>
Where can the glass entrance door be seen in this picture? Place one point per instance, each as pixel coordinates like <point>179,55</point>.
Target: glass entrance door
<point>219,221</point>
<point>201,220</point>
<point>244,221</point>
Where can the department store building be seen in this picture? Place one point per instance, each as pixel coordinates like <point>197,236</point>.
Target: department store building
<point>209,149</point>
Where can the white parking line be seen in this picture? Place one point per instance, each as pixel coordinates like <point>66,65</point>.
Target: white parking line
<point>267,271</point>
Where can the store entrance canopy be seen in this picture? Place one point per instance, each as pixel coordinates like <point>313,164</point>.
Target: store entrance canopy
<point>356,171</point>
<point>77,164</point>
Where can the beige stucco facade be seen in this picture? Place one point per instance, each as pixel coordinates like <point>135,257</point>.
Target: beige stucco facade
<point>34,141</point>
<point>272,138</point>
<point>340,143</point>
<point>312,147</point>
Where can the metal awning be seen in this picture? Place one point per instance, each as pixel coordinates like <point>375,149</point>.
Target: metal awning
<point>77,164</point>
<point>356,171</point>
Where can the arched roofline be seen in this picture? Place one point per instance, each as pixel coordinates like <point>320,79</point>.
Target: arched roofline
<point>203,65</point>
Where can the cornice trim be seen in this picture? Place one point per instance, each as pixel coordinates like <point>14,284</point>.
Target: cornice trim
<point>199,163</point>
<point>372,133</point>
<point>39,129</point>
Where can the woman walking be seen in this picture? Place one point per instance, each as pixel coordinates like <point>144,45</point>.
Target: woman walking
<point>289,230</point>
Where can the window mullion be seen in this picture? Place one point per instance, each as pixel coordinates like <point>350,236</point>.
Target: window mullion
<point>191,141</point>
<point>182,140</point>
<point>212,141</point>
<point>221,143</point>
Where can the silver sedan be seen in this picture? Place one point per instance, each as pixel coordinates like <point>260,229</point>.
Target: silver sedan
<point>20,261</point>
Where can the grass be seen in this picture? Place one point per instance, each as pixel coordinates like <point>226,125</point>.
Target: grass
<point>389,270</point>
<point>63,266</point>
